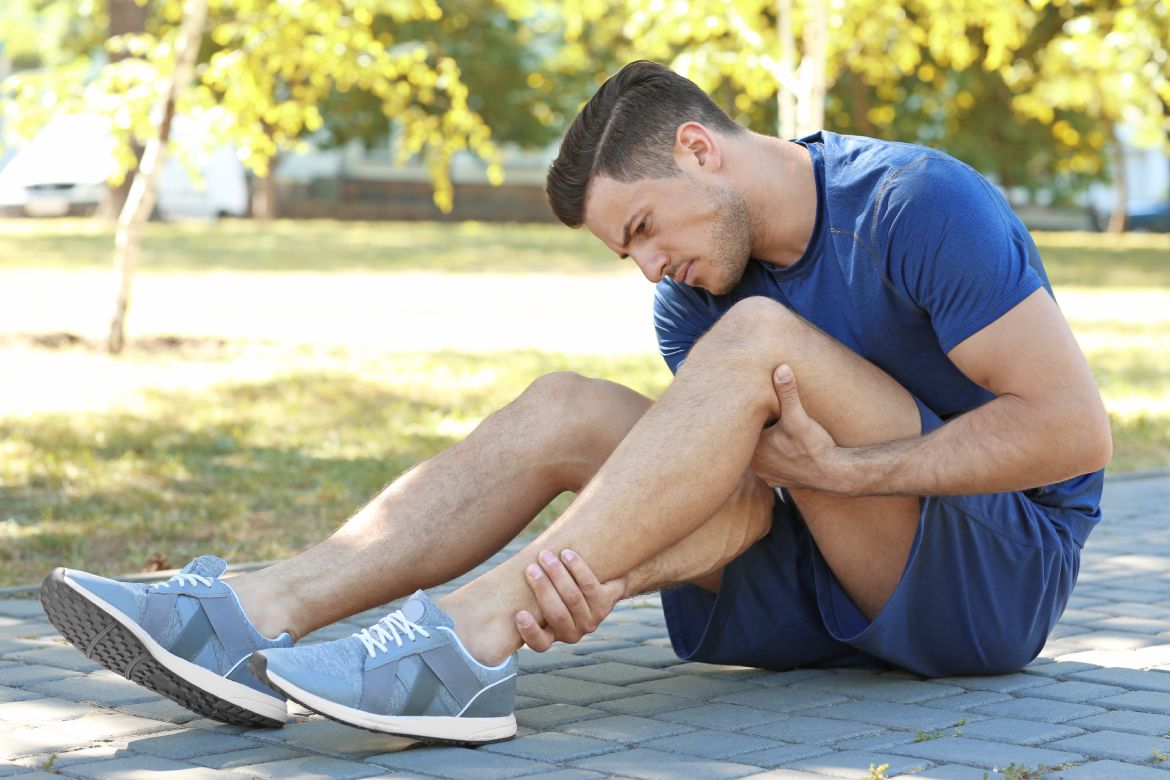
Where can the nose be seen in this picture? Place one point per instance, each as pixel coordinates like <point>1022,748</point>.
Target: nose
<point>653,264</point>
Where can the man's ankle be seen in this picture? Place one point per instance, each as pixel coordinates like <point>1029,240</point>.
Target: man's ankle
<point>489,639</point>
<point>258,609</point>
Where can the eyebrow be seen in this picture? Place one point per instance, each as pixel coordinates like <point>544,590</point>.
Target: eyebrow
<point>626,228</point>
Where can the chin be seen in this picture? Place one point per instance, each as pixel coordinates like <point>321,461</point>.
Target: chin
<point>726,284</point>
<point>723,289</point>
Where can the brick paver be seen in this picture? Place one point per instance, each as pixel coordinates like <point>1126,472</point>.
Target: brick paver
<point>1096,704</point>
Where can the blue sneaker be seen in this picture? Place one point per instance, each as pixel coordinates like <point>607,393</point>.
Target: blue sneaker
<point>185,638</point>
<point>408,674</point>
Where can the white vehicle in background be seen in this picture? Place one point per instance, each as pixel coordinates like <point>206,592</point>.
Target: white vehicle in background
<point>64,170</point>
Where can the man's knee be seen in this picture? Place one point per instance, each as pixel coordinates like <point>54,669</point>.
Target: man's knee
<point>754,334</point>
<point>574,396</point>
<point>556,388</point>
<point>756,315</point>
<point>590,415</point>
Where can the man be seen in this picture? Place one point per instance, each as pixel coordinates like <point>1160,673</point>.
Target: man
<point>940,464</point>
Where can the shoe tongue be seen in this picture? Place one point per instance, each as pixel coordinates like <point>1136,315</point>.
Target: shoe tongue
<point>206,566</point>
<point>421,610</point>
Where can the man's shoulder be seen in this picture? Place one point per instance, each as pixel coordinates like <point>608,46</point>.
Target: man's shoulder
<point>857,158</point>
<point>878,152</point>
<point>869,172</point>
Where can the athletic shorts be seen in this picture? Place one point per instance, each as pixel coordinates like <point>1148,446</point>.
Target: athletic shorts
<point>987,578</point>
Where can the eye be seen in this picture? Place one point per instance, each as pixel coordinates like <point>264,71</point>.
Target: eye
<point>641,227</point>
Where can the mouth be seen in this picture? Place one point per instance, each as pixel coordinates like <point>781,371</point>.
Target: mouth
<point>683,275</point>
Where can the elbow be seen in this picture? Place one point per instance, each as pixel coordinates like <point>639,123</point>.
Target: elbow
<point>1097,439</point>
<point>1104,446</point>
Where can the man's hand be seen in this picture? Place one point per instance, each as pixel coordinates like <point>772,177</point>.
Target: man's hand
<point>797,452</point>
<point>571,599</point>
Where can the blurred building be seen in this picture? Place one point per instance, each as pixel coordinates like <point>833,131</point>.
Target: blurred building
<point>357,183</point>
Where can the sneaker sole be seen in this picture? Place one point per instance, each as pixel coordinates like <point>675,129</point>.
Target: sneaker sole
<point>431,729</point>
<point>104,634</point>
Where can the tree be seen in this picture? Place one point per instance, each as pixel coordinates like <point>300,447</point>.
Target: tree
<point>751,45</point>
<point>271,64</point>
<point>1027,89</point>
<point>969,112</point>
<point>1109,63</point>
<point>267,67</point>
<point>141,197</point>
<point>126,18</point>
<point>279,62</point>
<point>512,61</point>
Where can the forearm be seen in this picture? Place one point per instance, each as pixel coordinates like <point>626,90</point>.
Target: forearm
<point>1007,444</point>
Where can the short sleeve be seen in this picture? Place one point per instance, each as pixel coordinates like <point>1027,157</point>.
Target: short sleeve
<point>681,316</point>
<point>952,245</point>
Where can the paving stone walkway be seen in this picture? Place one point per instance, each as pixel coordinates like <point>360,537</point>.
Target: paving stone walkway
<point>1096,704</point>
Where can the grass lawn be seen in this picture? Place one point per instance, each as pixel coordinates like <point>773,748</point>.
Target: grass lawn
<point>251,470</point>
<point>311,245</point>
<point>254,449</point>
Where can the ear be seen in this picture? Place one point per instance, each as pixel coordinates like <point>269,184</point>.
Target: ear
<point>696,146</point>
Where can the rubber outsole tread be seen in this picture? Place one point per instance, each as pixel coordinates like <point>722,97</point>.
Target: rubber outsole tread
<point>258,666</point>
<point>99,636</point>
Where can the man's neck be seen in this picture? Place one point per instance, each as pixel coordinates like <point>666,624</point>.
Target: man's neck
<point>781,196</point>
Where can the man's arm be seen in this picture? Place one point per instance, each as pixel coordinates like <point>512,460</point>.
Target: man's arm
<point>1046,423</point>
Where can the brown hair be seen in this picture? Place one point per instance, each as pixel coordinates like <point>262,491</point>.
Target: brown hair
<point>627,131</point>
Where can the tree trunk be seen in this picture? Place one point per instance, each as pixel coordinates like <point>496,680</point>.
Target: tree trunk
<point>785,97</point>
<point>811,104</point>
<point>140,202</point>
<point>127,17</point>
<point>1118,219</point>
<point>802,99</point>
<point>265,197</point>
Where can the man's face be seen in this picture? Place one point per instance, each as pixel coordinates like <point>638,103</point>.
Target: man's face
<point>695,231</point>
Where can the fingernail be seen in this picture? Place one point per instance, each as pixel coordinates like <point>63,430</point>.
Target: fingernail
<point>523,619</point>
<point>783,374</point>
<point>568,555</point>
<point>547,558</point>
<point>534,572</point>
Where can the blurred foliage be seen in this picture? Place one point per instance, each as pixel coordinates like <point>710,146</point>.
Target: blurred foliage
<point>524,98</point>
<point>1109,61</point>
<point>1026,90</point>
<point>266,69</point>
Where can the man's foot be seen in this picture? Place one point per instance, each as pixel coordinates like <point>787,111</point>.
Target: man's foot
<point>185,638</point>
<point>408,674</point>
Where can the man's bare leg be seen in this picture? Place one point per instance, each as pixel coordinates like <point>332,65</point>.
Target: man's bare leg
<point>687,454</point>
<point>469,501</point>
<point>449,514</point>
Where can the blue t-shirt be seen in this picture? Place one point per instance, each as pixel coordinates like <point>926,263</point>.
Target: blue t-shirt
<point>912,252</point>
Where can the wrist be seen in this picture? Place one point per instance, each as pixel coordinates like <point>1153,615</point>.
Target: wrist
<point>854,479</point>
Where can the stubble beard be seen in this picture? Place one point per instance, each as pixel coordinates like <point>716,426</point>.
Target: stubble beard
<point>731,240</point>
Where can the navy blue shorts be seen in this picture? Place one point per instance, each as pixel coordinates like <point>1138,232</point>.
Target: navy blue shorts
<point>987,579</point>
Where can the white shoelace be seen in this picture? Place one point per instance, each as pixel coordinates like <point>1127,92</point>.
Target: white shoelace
<point>386,630</point>
<point>187,579</point>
